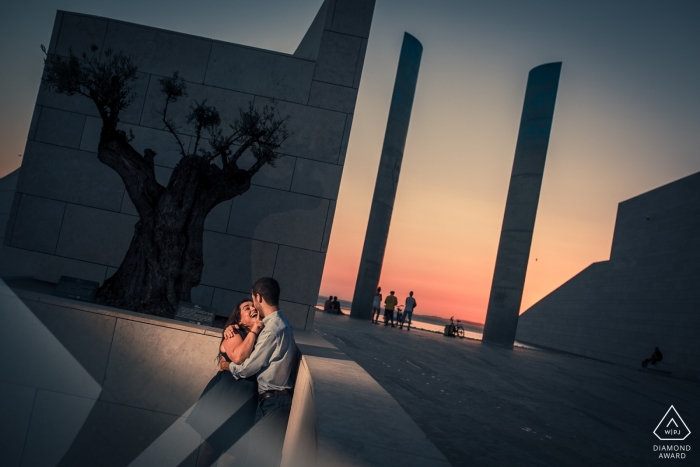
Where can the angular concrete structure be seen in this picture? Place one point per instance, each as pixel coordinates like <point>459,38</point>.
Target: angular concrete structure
<point>646,295</point>
<point>387,177</point>
<point>521,205</point>
<point>68,205</point>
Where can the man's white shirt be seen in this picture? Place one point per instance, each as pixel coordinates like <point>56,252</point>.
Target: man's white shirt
<point>274,357</point>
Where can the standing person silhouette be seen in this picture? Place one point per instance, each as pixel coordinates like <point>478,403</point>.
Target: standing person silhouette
<point>408,311</point>
<point>389,304</point>
<point>376,306</point>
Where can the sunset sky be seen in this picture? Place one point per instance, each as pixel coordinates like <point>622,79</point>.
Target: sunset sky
<point>627,120</point>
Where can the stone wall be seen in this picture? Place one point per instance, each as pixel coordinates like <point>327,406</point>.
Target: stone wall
<point>646,295</point>
<point>88,385</point>
<point>71,214</point>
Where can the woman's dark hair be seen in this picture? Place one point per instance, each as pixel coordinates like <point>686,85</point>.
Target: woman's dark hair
<point>235,318</point>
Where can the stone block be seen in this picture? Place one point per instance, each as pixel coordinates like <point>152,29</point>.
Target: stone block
<point>346,140</point>
<point>87,336</point>
<point>227,103</point>
<point>217,219</point>
<point>225,300</point>
<point>79,32</point>
<point>86,232</point>
<point>333,97</point>
<point>299,274</point>
<point>360,64</point>
<point>58,370</point>
<point>34,123</point>
<point>69,175</point>
<point>56,421</point>
<point>202,295</point>
<point>353,17</point>
<point>337,59</point>
<point>160,52</point>
<point>60,128</point>
<point>279,217</point>
<point>315,133</point>
<point>329,225</point>
<point>115,435</point>
<point>76,103</point>
<point>158,368</point>
<point>234,263</point>
<point>178,445</point>
<point>16,404</point>
<point>38,224</point>
<point>279,176</point>
<point>259,72</point>
<point>110,272</point>
<point>296,313</point>
<point>317,178</point>
<point>47,267</point>
<point>54,32</point>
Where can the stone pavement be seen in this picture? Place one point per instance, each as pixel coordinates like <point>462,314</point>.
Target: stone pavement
<point>487,406</point>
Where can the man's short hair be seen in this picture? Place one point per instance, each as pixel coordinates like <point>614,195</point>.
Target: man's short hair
<point>269,289</point>
<point>392,292</point>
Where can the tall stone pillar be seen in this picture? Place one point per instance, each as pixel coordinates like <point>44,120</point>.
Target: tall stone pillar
<point>387,177</point>
<point>521,205</point>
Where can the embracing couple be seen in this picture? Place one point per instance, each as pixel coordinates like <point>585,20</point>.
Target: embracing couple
<point>243,412</point>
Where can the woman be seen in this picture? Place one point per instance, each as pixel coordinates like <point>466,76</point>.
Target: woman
<point>226,409</point>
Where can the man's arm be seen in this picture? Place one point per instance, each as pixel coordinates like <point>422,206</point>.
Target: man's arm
<point>262,352</point>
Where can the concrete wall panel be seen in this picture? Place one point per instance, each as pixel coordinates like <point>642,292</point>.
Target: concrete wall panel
<point>158,368</point>
<point>160,52</point>
<point>38,224</point>
<point>78,33</point>
<point>353,17</point>
<point>333,97</point>
<point>60,128</point>
<point>279,217</point>
<point>56,421</point>
<point>47,267</point>
<point>259,72</point>
<point>317,178</point>
<point>234,263</point>
<point>69,175</point>
<point>299,274</point>
<point>16,403</point>
<point>316,133</point>
<point>337,59</point>
<point>95,235</point>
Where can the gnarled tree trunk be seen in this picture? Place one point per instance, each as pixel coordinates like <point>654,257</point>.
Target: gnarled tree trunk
<point>165,258</point>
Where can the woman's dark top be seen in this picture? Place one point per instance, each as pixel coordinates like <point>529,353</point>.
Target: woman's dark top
<point>226,409</point>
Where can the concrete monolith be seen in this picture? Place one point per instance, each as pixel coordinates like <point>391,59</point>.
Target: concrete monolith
<point>387,177</point>
<point>521,205</point>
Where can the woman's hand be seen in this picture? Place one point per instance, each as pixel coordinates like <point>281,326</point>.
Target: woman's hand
<point>257,327</point>
<point>223,364</point>
<point>230,331</point>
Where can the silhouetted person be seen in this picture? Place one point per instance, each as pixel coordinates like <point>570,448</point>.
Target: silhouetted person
<point>335,306</point>
<point>389,305</point>
<point>656,357</point>
<point>327,304</point>
<point>408,311</point>
<point>377,306</point>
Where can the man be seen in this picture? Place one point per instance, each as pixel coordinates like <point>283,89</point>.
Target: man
<point>273,360</point>
<point>389,304</point>
<point>327,304</point>
<point>408,311</point>
<point>335,306</point>
<point>377,306</point>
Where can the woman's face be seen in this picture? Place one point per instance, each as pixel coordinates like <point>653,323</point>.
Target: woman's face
<point>248,314</point>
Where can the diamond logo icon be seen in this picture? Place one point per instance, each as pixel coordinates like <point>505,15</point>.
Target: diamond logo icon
<point>672,427</point>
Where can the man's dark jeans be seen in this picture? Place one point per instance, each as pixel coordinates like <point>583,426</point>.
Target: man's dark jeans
<point>267,435</point>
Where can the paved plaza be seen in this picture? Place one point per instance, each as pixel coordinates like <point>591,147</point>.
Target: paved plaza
<point>486,406</point>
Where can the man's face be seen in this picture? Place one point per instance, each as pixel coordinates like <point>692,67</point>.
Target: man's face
<point>257,302</point>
